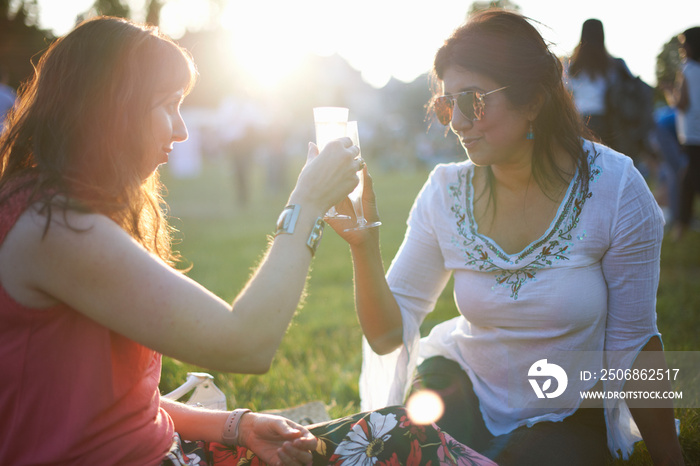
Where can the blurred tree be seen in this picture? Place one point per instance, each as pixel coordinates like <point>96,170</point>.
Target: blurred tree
<point>121,9</point>
<point>21,40</point>
<point>153,12</point>
<point>25,11</point>
<point>208,48</point>
<point>668,62</point>
<point>110,8</point>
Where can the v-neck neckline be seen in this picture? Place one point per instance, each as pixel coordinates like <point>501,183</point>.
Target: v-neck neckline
<point>562,212</point>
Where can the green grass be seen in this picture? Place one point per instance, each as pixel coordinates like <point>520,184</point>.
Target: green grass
<point>320,357</point>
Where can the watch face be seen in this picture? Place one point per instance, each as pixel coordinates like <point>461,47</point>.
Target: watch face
<point>283,219</point>
<point>288,219</point>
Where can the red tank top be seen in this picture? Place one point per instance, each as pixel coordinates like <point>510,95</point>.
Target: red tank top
<point>72,391</point>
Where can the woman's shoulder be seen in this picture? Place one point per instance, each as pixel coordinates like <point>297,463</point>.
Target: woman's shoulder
<point>448,171</point>
<point>603,157</point>
<point>37,242</point>
<point>614,173</point>
<point>58,216</point>
<point>440,187</point>
<point>445,175</point>
<point>38,231</point>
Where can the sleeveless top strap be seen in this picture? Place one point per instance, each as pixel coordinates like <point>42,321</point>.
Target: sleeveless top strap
<point>13,206</point>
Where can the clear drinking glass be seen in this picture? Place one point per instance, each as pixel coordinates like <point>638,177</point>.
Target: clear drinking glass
<point>330,123</point>
<point>356,195</point>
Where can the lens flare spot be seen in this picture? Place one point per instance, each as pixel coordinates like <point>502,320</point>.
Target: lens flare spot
<point>424,407</point>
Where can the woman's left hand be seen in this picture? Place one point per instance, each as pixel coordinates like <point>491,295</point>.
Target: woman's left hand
<point>369,207</point>
<point>276,440</point>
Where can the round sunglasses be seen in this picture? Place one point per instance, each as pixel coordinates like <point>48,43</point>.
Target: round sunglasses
<point>469,103</point>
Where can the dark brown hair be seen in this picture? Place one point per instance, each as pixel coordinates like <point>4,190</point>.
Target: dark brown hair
<point>78,132</point>
<point>590,55</point>
<point>506,48</point>
<point>691,38</point>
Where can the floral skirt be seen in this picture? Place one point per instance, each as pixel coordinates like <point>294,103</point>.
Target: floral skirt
<point>383,437</point>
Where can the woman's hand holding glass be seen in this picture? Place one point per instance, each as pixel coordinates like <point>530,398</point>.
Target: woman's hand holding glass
<point>327,178</point>
<point>347,228</point>
<point>332,123</point>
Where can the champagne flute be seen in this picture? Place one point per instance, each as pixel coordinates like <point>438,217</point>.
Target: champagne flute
<point>356,195</point>
<point>330,123</point>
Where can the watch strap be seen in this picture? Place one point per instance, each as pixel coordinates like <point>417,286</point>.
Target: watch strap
<point>315,236</point>
<point>230,433</point>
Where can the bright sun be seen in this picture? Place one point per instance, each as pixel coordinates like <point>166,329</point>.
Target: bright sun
<point>270,45</point>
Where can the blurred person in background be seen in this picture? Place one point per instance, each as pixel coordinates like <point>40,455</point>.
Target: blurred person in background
<point>589,72</point>
<point>617,106</point>
<point>671,164</point>
<point>553,243</point>
<point>685,97</point>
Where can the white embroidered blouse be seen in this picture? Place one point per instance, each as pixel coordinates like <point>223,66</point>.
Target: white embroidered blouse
<point>587,285</point>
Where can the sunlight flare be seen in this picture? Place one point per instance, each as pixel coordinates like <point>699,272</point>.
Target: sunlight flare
<point>271,47</point>
<point>425,407</point>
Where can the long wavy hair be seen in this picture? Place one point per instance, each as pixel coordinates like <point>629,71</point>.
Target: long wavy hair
<point>590,55</point>
<point>77,136</point>
<point>505,47</point>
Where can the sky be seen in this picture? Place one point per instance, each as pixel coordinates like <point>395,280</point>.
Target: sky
<point>385,38</point>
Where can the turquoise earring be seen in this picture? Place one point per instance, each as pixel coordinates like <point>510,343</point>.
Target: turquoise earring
<point>530,135</point>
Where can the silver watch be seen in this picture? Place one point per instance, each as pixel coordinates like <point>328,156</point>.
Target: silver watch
<point>287,220</point>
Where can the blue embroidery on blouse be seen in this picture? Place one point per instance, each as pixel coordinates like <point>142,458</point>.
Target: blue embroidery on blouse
<point>556,245</point>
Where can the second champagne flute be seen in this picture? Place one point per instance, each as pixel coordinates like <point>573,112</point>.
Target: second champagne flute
<point>356,195</point>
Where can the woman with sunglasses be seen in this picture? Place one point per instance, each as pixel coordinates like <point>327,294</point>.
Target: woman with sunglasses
<point>553,245</point>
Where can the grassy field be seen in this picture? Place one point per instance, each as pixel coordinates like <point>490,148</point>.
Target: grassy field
<point>320,357</point>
